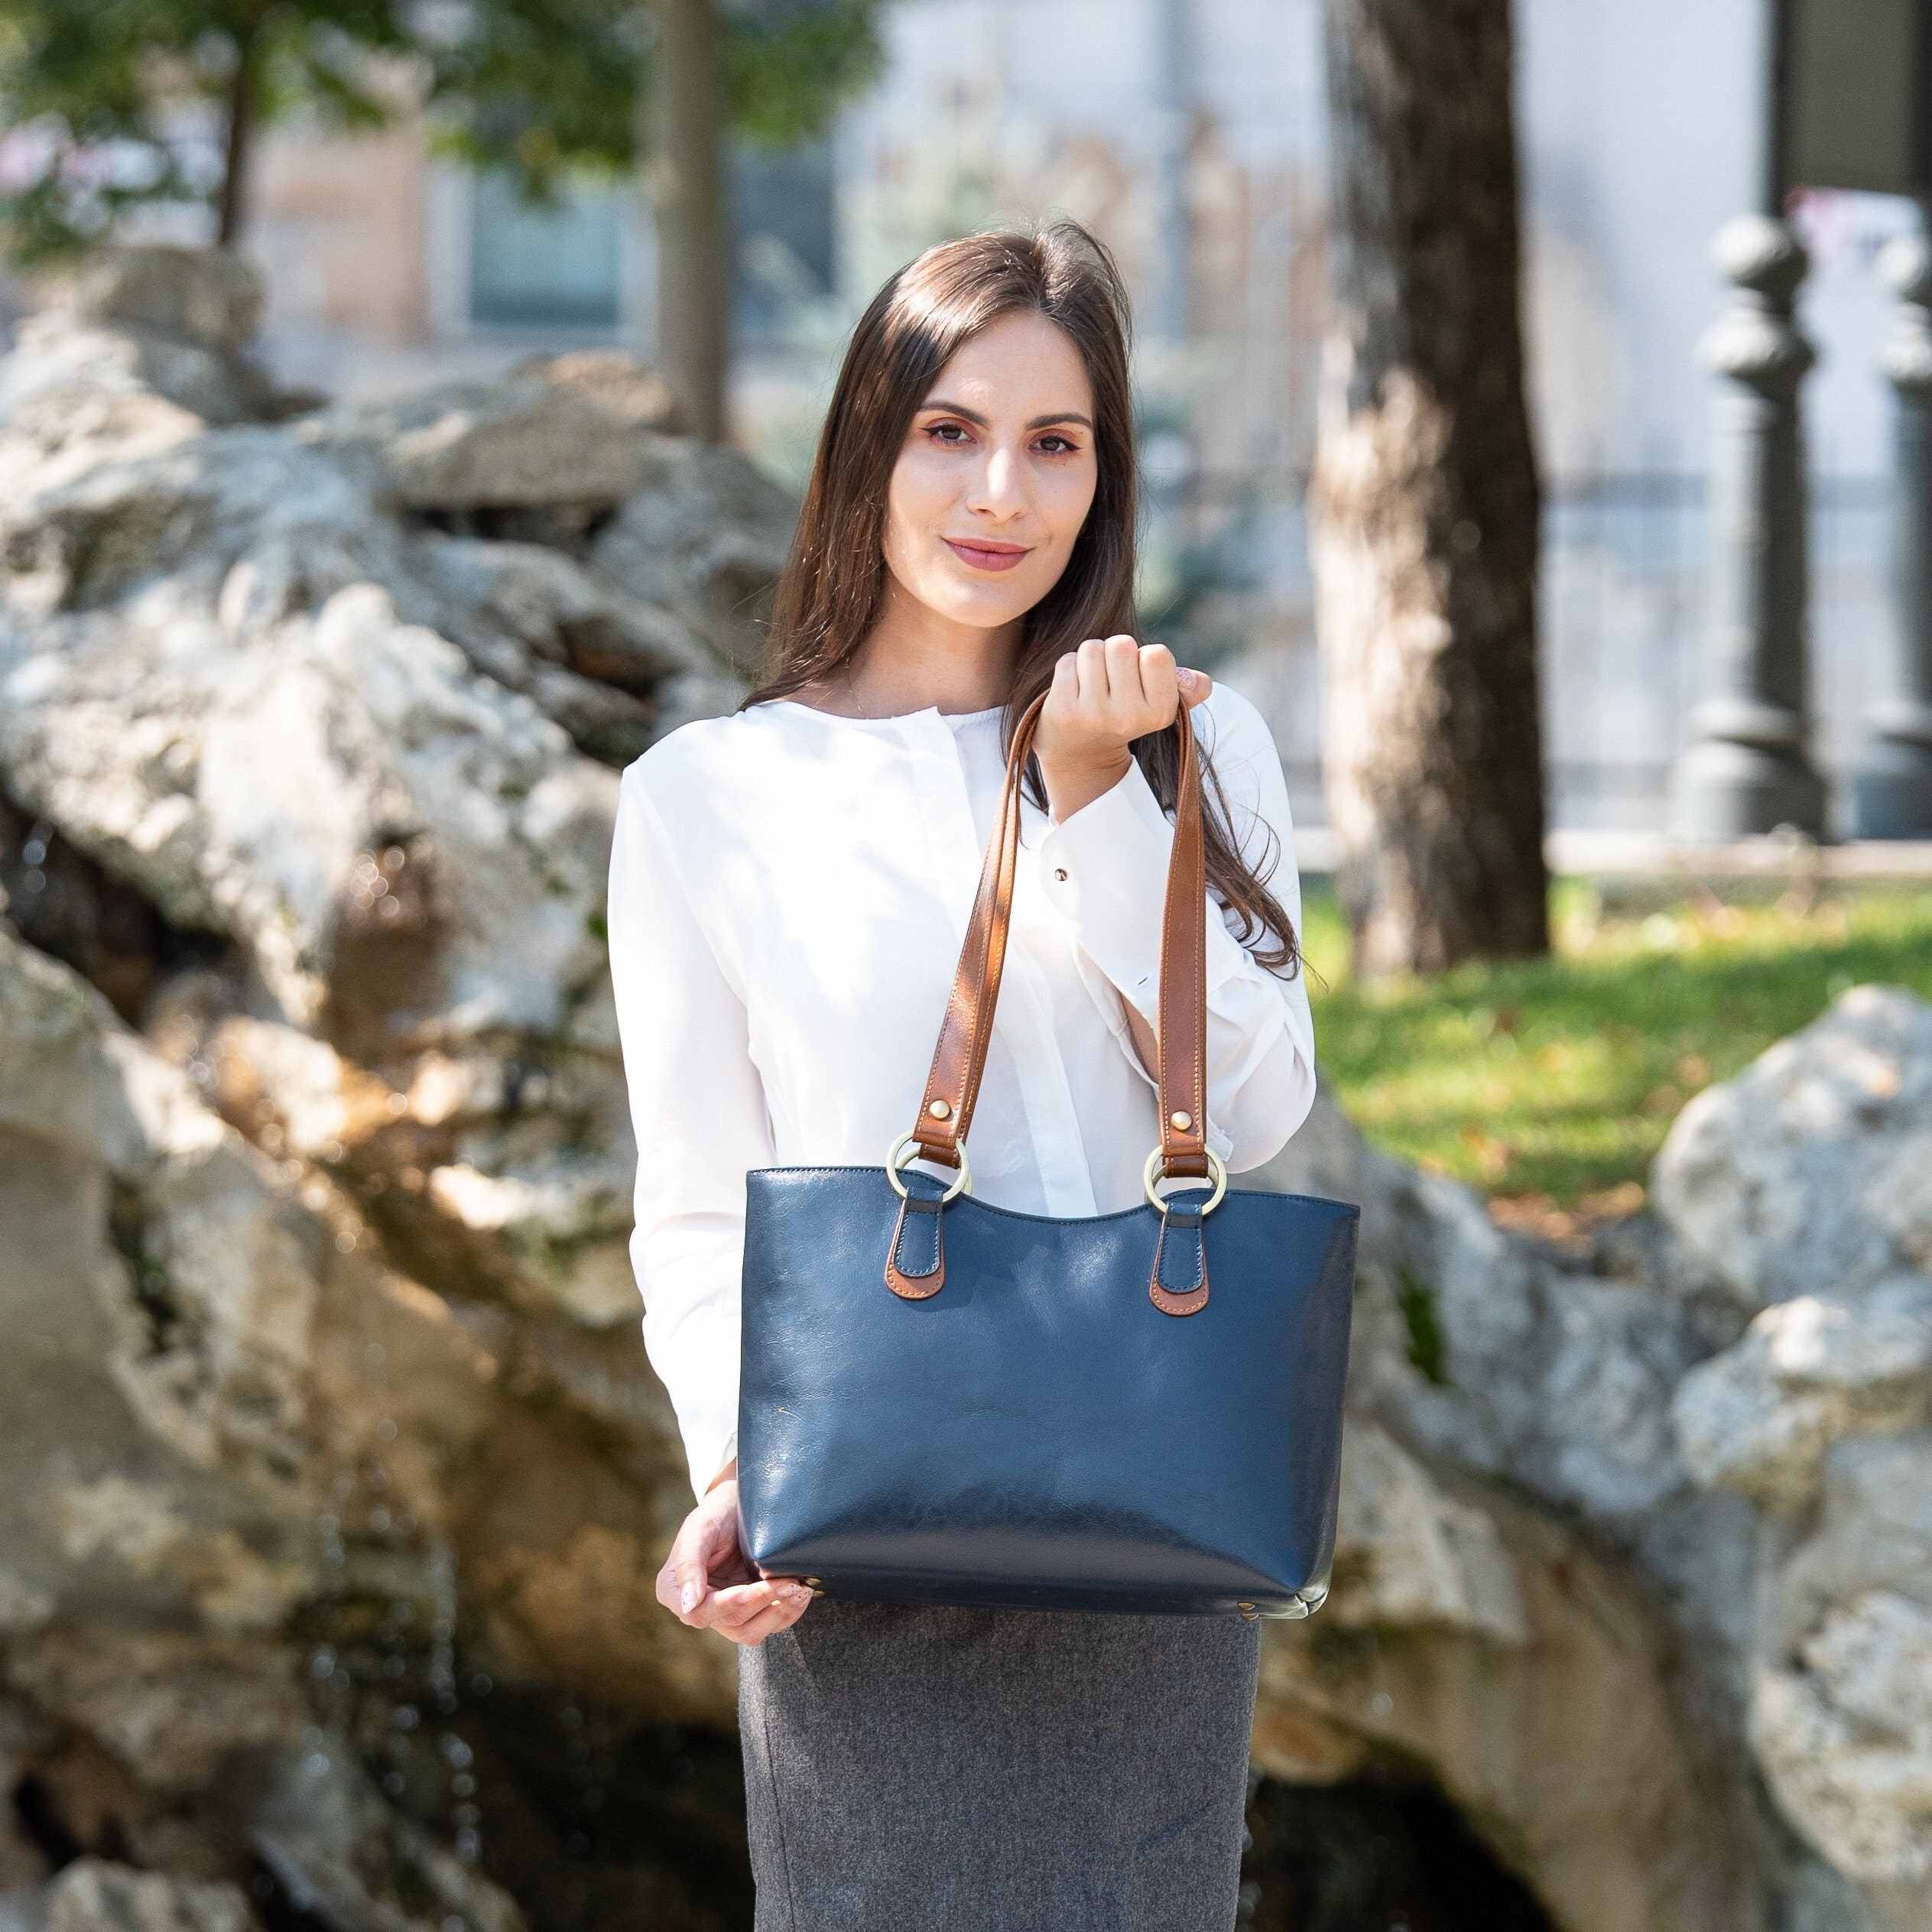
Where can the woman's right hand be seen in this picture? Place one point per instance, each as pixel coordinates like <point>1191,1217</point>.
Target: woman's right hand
<point>706,1581</point>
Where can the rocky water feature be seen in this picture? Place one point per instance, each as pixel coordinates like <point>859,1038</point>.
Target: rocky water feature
<point>334,1478</point>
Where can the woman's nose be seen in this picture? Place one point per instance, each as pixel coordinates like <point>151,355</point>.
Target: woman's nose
<point>998,488</point>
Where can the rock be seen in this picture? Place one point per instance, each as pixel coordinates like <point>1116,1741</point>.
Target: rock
<point>155,1276</point>
<point>558,612</point>
<point>341,1857</point>
<point>403,787</point>
<point>80,536</point>
<point>167,324</point>
<point>1832,1692</point>
<point>420,863</point>
<point>197,1364</point>
<point>696,536</point>
<point>1803,1182</point>
<point>56,363</point>
<point>170,1706</point>
<point>23,1864</point>
<point>704,536</point>
<point>547,1197</point>
<point>210,296</point>
<point>1555,1730</point>
<point>56,434</point>
<point>526,442</point>
<point>292,1091</point>
<point>1872,1531</point>
<point>1876,1657</point>
<point>1844,1734</point>
<point>326,1402</point>
<point>1492,1352</point>
<point>1468,1632</point>
<point>94,1895</point>
<point>1812,1172</point>
<point>1407,1557</point>
<point>594,659</point>
<point>63,904</point>
<point>557,1225</point>
<point>1759,1416</point>
<point>194,588</point>
<point>617,384</point>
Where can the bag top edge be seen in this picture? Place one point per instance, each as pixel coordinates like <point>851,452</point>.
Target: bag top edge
<point>1349,1209</point>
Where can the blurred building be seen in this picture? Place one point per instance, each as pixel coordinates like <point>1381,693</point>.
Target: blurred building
<point>1190,133</point>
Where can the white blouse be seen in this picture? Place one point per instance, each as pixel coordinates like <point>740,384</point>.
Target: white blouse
<point>789,891</point>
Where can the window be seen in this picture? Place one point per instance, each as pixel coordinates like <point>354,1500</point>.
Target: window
<point>546,264</point>
<point>782,222</point>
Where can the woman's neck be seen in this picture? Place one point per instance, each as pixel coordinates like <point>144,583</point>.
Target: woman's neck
<point>915,657</point>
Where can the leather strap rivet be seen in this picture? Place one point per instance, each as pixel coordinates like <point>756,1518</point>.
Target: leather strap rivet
<point>941,1110</point>
<point>1182,1120</point>
<point>812,1583</point>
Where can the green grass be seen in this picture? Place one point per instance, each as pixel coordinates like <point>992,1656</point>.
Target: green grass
<point>1551,1083</point>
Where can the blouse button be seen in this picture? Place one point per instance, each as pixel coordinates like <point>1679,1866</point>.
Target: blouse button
<point>1060,873</point>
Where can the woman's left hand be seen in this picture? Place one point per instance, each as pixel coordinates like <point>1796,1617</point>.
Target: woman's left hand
<point>707,1582</point>
<point>1104,696</point>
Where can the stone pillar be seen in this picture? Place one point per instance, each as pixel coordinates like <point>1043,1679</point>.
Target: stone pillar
<point>1892,790</point>
<point>1747,768</point>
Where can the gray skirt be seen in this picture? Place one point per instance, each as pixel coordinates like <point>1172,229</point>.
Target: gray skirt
<point>916,1770</point>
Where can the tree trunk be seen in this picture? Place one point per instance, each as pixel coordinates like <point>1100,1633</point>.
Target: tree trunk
<point>1425,500</point>
<point>687,115</point>
<point>240,138</point>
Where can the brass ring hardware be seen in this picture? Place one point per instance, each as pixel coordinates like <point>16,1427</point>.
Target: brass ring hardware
<point>1217,1170</point>
<point>963,1185</point>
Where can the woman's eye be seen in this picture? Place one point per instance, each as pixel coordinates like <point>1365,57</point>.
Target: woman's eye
<point>1056,445</point>
<point>951,434</point>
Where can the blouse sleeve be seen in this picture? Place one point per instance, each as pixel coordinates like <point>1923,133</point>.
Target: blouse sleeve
<point>1105,869</point>
<point>698,1106</point>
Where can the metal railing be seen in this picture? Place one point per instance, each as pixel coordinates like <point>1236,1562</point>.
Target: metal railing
<point>1621,602</point>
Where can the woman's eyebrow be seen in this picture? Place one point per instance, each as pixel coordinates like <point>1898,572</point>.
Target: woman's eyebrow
<point>973,415</point>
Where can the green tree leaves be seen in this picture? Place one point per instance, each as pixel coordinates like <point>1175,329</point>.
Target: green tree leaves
<point>113,102</point>
<point>110,102</point>
<point>539,86</point>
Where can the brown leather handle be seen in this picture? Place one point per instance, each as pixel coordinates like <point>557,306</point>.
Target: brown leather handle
<point>953,1086</point>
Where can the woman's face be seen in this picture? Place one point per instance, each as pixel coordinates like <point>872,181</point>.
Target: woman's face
<point>996,474</point>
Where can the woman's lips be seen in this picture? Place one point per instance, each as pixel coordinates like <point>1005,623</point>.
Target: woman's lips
<point>986,556</point>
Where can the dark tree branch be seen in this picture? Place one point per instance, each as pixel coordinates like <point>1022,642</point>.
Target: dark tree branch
<point>240,141</point>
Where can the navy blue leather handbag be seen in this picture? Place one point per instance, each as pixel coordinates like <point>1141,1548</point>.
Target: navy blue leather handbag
<point>942,1401</point>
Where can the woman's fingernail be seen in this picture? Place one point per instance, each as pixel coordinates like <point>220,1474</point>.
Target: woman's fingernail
<point>687,1599</point>
<point>796,1593</point>
<point>1187,676</point>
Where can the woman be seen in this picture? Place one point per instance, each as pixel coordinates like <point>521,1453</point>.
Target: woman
<point>789,890</point>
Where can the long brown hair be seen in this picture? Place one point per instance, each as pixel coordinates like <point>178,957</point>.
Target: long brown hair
<point>828,599</point>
